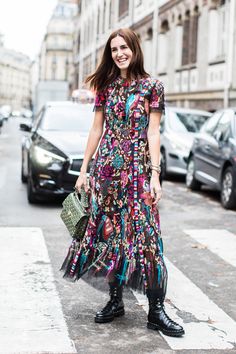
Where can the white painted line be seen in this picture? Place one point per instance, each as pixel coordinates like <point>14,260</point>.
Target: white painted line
<point>31,314</point>
<point>3,176</point>
<point>221,242</point>
<point>206,325</point>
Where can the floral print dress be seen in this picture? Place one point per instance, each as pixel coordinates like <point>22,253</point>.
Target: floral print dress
<point>123,234</point>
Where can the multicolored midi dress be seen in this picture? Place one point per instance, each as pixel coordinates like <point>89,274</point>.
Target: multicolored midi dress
<point>123,234</point>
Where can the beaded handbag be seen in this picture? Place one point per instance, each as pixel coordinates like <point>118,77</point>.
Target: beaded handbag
<point>75,213</point>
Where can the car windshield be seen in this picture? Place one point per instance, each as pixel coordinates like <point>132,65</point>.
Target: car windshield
<point>68,118</point>
<point>183,122</point>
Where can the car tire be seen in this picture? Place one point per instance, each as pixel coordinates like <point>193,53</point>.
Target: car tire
<point>191,182</point>
<point>228,185</point>
<point>163,164</point>
<point>23,177</point>
<point>31,195</point>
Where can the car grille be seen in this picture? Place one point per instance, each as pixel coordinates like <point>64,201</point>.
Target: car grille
<point>75,166</point>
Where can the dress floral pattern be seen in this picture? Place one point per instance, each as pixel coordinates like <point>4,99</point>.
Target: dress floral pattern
<point>123,234</point>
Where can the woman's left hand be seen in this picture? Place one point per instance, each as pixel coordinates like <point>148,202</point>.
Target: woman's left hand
<point>155,187</point>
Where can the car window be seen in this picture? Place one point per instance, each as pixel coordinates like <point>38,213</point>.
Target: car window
<point>186,122</point>
<point>223,127</point>
<point>211,124</point>
<point>68,118</point>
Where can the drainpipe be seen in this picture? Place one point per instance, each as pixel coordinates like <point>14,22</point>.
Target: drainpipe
<point>230,53</point>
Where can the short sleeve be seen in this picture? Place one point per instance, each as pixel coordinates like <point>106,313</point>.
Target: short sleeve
<point>157,98</point>
<point>99,102</point>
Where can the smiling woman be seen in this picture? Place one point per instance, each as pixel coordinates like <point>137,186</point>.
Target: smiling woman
<point>123,238</point>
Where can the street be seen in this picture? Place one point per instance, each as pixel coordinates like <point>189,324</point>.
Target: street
<point>43,313</point>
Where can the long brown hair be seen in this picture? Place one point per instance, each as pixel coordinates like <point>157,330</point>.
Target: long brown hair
<point>107,71</point>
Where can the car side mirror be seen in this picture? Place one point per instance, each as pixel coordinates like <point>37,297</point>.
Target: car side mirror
<point>25,127</point>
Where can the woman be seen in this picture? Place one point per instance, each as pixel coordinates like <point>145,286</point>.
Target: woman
<point>123,238</point>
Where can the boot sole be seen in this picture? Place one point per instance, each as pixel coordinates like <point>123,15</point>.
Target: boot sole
<point>110,319</point>
<point>155,327</point>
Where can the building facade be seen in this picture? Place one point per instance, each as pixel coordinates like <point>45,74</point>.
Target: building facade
<point>56,67</point>
<point>56,61</point>
<point>14,79</point>
<point>98,18</point>
<point>188,44</point>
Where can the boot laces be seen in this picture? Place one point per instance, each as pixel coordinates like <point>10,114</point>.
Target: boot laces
<point>167,317</point>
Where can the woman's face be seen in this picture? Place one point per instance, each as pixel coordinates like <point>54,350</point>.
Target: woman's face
<point>121,54</point>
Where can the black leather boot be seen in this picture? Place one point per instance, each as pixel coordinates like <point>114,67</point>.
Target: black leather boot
<point>114,307</point>
<point>159,320</point>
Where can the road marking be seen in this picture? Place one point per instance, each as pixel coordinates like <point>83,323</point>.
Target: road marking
<point>221,242</point>
<point>31,313</point>
<point>3,175</point>
<point>206,325</point>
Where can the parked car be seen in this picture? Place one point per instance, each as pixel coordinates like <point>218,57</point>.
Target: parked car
<point>16,113</point>
<point>178,127</point>
<point>212,160</point>
<point>53,151</point>
<point>5,111</point>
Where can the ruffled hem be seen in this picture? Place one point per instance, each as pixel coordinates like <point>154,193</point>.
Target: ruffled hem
<point>140,270</point>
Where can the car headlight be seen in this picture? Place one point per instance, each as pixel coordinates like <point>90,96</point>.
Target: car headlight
<point>45,157</point>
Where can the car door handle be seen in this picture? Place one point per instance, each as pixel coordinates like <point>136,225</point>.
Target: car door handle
<point>207,147</point>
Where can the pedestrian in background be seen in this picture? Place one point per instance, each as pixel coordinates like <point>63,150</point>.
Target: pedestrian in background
<point>124,184</point>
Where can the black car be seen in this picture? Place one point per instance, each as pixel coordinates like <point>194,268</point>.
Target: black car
<point>212,160</point>
<point>53,152</point>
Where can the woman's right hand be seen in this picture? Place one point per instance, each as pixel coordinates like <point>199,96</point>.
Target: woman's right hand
<point>82,181</point>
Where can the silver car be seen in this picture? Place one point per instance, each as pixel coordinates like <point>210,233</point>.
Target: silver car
<point>178,127</point>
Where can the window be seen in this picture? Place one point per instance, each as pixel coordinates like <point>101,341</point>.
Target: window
<point>186,37</point>
<point>123,8</point>
<point>217,32</point>
<point>178,42</point>
<point>194,36</point>
<point>162,60</point>
<point>186,122</point>
<point>68,118</point>
<point>54,68</point>
<point>190,36</point>
<point>212,122</point>
<point>223,128</point>
<point>221,35</point>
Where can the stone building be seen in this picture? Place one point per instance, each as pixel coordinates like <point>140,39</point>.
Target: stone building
<point>55,62</point>
<point>188,44</point>
<point>197,43</point>
<point>14,79</point>
<point>56,67</point>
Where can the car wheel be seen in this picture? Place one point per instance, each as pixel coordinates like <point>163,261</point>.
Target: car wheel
<point>191,181</point>
<point>31,195</point>
<point>23,177</point>
<point>163,164</point>
<point>228,185</point>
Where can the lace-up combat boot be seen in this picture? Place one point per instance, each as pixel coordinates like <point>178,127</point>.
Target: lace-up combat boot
<point>159,320</point>
<point>114,307</point>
